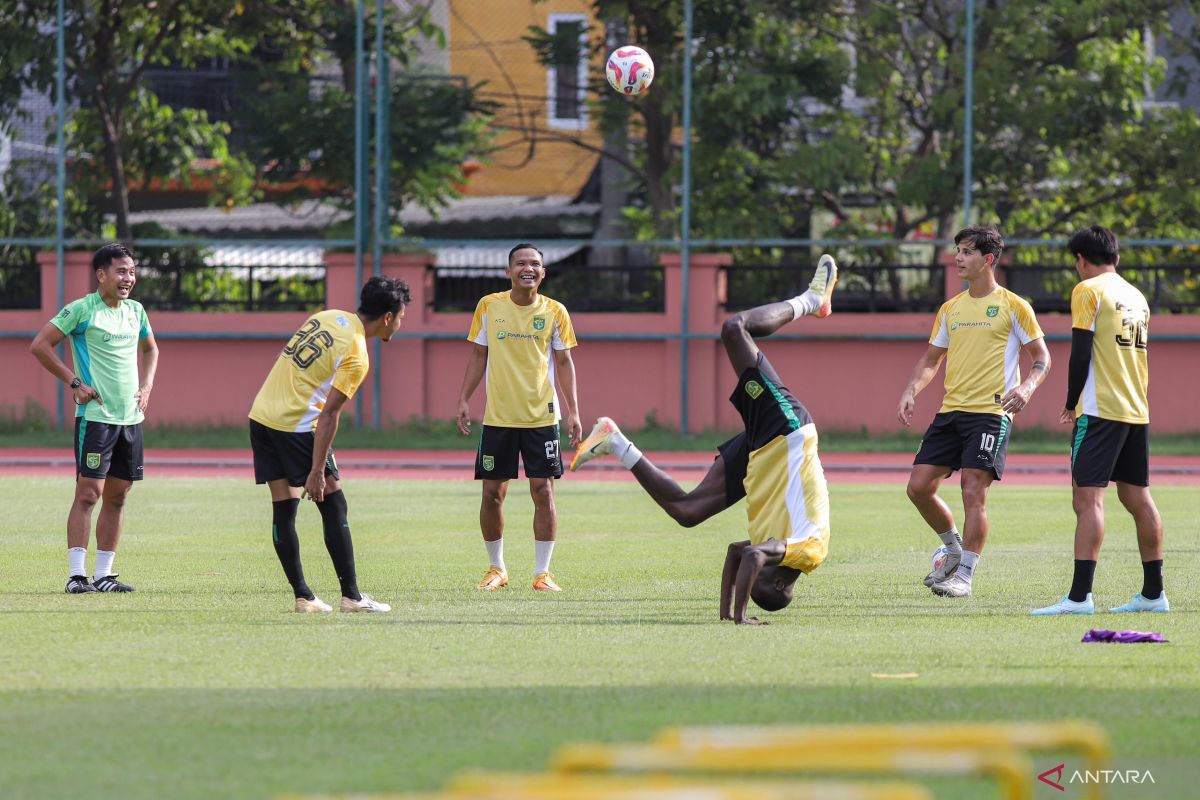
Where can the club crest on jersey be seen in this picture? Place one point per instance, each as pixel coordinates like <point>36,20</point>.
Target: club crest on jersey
<point>93,461</point>
<point>539,323</point>
<point>489,463</point>
<point>993,310</point>
<point>754,389</point>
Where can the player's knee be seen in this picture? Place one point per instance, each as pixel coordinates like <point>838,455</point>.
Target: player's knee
<point>542,493</point>
<point>116,499</point>
<point>918,491</point>
<point>974,496</point>
<point>86,496</point>
<point>733,328</point>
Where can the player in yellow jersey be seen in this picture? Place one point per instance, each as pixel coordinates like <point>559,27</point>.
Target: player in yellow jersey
<point>1106,401</point>
<point>980,333</point>
<point>521,341</point>
<point>294,419</point>
<point>773,464</point>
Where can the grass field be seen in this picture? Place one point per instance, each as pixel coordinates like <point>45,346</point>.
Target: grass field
<point>203,685</point>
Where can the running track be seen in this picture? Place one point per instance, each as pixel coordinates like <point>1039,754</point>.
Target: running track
<point>1029,470</point>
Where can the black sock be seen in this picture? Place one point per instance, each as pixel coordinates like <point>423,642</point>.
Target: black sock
<point>337,541</point>
<point>1081,584</point>
<point>287,544</point>
<point>1152,587</point>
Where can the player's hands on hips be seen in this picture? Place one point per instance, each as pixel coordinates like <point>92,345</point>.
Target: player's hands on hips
<point>464,417</point>
<point>1067,416</point>
<point>574,429</point>
<point>908,404</point>
<point>83,394</point>
<point>143,398</point>
<point>314,487</point>
<point>1016,399</point>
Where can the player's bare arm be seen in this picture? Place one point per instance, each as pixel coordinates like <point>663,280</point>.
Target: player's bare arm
<point>1018,397</point>
<point>149,365</point>
<point>476,366</point>
<point>743,563</point>
<point>565,368</point>
<point>43,349</point>
<point>922,374</point>
<point>325,429</point>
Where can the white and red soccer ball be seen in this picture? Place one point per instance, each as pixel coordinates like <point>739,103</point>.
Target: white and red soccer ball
<point>630,70</point>
<point>939,557</point>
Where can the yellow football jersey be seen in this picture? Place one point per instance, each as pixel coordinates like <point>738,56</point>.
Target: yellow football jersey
<point>1118,316</point>
<point>787,498</point>
<point>329,351</point>
<point>520,375</point>
<point>983,337</point>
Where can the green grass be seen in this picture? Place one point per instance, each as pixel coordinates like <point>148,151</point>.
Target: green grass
<point>444,435</point>
<point>203,685</point>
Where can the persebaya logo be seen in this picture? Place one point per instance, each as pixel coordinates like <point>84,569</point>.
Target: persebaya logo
<point>993,310</point>
<point>93,461</point>
<point>754,389</point>
<point>539,323</point>
<point>489,463</point>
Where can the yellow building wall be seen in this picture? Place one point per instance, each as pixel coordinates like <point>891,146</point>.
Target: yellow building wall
<point>484,38</point>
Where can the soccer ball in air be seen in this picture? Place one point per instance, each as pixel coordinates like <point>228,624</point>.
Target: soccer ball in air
<point>630,70</point>
<point>939,557</point>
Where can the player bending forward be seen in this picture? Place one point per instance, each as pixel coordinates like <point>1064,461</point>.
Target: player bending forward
<point>773,464</point>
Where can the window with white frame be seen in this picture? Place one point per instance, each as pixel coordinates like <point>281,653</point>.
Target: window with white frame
<point>568,72</point>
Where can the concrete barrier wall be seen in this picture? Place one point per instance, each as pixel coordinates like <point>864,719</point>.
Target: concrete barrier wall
<point>848,369</point>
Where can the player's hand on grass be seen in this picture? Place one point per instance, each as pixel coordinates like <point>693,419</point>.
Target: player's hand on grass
<point>1016,399</point>
<point>314,487</point>
<point>752,621</point>
<point>908,404</point>
<point>464,418</point>
<point>83,394</point>
<point>1067,416</point>
<point>143,398</point>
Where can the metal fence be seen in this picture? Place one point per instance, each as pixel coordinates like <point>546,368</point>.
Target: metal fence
<point>20,284</point>
<point>1169,288</point>
<point>246,287</point>
<point>869,288</point>
<point>629,289</point>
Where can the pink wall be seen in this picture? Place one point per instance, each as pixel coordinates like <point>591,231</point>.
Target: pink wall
<point>848,369</point>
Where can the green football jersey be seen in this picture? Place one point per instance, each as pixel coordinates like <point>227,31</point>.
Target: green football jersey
<point>104,344</point>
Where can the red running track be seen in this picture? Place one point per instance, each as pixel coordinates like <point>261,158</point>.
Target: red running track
<point>1038,469</point>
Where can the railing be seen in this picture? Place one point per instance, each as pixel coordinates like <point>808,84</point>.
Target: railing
<point>632,289</point>
<point>202,287</point>
<point>20,285</point>
<point>868,289</point>
<point>1173,288</point>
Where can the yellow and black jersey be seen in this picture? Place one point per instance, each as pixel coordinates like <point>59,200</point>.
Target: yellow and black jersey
<point>1118,316</point>
<point>520,375</point>
<point>983,337</point>
<point>787,498</point>
<point>328,352</point>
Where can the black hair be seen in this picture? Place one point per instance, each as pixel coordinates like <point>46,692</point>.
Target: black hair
<point>381,294</point>
<point>984,238</point>
<point>106,255</point>
<point>526,246</point>
<point>772,590</point>
<point>1097,245</point>
<point>768,598</point>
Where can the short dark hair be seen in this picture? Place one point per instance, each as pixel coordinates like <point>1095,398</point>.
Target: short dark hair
<point>103,258</point>
<point>381,294</point>
<point>772,590</point>
<point>984,238</point>
<point>526,246</point>
<point>1097,245</point>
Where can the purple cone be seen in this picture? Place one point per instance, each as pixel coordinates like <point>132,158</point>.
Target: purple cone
<point>1122,637</point>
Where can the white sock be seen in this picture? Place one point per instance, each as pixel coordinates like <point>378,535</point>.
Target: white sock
<point>496,553</point>
<point>104,559</point>
<point>76,556</point>
<point>542,552</point>
<point>625,450</point>
<point>805,304</point>
<point>966,567</point>
<point>952,539</point>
